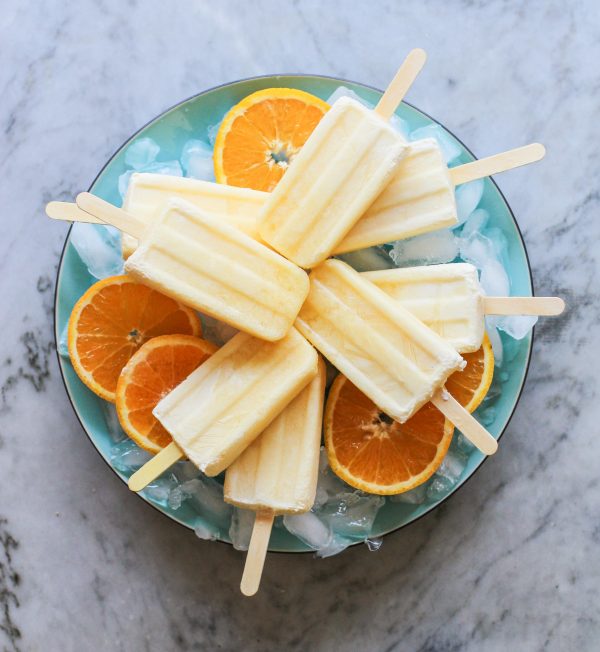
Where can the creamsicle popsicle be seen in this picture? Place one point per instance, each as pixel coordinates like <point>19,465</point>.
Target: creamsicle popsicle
<point>419,198</point>
<point>342,167</point>
<point>420,195</point>
<point>449,299</point>
<point>277,473</point>
<point>217,411</point>
<point>389,354</point>
<point>148,194</point>
<point>217,269</point>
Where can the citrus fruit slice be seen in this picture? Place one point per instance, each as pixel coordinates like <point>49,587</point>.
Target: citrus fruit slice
<point>372,452</point>
<point>470,385</point>
<point>152,372</point>
<point>260,136</point>
<point>112,320</point>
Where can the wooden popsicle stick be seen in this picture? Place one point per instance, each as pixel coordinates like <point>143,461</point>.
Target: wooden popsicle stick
<point>257,551</point>
<point>154,467</point>
<point>110,214</point>
<point>69,212</point>
<point>406,75</point>
<point>464,421</point>
<point>543,306</point>
<point>484,167</point>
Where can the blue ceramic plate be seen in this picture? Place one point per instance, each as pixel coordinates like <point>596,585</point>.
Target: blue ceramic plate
<point>190,119</point>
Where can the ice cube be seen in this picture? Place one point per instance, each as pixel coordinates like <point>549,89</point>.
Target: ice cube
<point>428,249</point>
<point>400,125</point>
<point>367,260</point>
<point>197,160</point>
<point>206,496</point>
<point>63,347</point>
<point>447,476</point>
<point>321,497</point>
<point>328,483</point>
<point>452,466</point>
<point>475,223</point>
<point>141,153</point>
<point>170,168</point>
<point>477,249</point>
<point>487,416</point>
<point>127,456</point>
<point>176,498</point>
<point>494,279</point>
<point>517,326</point>
<point>113,426</point>
<point>463,444</point>
<point>240,530</point>
<point>499,242</point>
<point>315,533</point>
<point>374,544</point>
<point>204,530</point>
<point>186,471</point>
<point>123,182</point>
<point>212,131</point>
<point>415,496</point>
<point>451,150</point>
<point>99,248</point>
<point>344,91</point>
<point>351,514</point>
<point>160,489</point>
<point>468,196</point>
<point>491,323</point>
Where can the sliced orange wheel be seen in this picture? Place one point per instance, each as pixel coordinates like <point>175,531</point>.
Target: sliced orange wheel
<point>260,136</point>
<point>470,385</point>
<point>370,451</point>
<point>112,320</point>
<point>157,368</point>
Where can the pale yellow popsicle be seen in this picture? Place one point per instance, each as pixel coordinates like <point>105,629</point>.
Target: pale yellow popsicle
<point>217,411</point>
<point>213,267</point>
<point>342,167</point>
<point>148,194</point>
<point>383,349</point>
<point>420,195</point>
<point>418,198</point>
<point>447,298</point>
<point>278,471</point>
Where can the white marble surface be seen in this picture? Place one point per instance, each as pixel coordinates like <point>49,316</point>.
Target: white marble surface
<point>513,560</point>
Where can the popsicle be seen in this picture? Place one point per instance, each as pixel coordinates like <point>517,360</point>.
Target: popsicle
<point>148,194</point>
<point>449,299</point>
<point>277,473</point>
<point>210,266</point>
<point>420,195</point>
<point>219,409</point>
<point>345,163</point>
<point>391,356</point>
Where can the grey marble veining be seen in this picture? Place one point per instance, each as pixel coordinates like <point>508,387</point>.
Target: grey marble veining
<point>513,560</point>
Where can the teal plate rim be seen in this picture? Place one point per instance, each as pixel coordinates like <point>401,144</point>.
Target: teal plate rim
<point>341,81</point>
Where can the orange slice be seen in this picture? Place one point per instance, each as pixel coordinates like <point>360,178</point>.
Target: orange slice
<point>372,452</point>
<point>470,385</point>
<point>157,368</point>
<point>112,320</point>
<point>260,136</point>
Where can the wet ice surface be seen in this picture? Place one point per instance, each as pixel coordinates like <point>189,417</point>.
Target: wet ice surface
<point>427,249</point>
<point>341,515</point>
<point>99,248</point>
